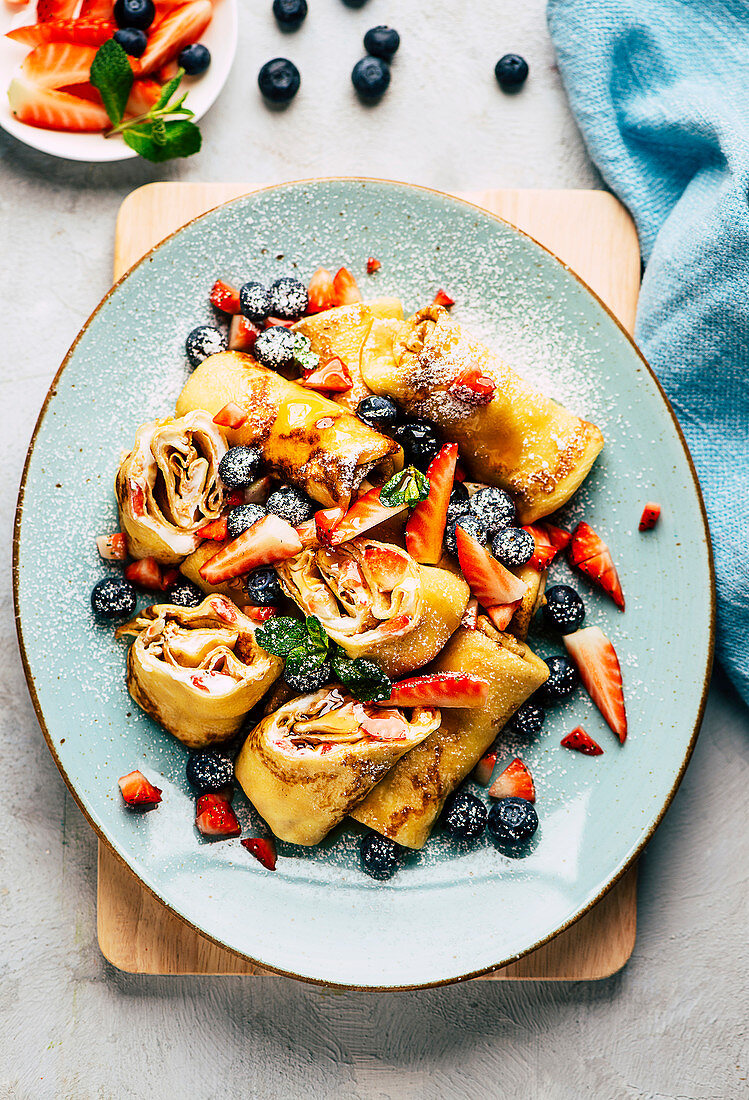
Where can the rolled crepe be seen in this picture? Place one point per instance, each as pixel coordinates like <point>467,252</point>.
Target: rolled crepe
<point>305,439</point>
<point>340,334</point>
<point>531,601</point>
<point>408,801</point>
<point>519,440</point>
<point>168,486</point>
<point>376,601</point>
<point>308,763</point>
<point>197,671</point>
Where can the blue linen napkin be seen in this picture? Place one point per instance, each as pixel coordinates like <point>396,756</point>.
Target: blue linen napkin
<point>660,90</point>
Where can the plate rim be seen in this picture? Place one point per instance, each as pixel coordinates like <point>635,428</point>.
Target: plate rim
<point>51,392</point>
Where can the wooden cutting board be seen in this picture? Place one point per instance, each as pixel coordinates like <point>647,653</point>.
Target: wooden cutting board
<point>594,235</point>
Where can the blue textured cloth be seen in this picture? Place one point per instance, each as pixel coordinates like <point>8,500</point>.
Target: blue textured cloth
<point>660,90</point>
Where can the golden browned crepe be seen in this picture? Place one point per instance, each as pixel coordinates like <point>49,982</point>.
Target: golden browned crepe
<point>168,486</point>
<point>376,601</point>
<point>306,765</point>
<point>304,438</point>
<point>197,671</point>
<point>407,803</point>
<point>520,440</point>
<point>530,602</point>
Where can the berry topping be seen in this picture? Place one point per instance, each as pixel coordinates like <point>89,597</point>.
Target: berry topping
<point>242,333</point>
<point>254,302</point>
<point>511,71</point>
<point>321,291</point>
<point>473,387</point>
<point>242,518</point>
<point>146,573</point>
<point>214,817</point>
<point>482,773</point>
<point>333,377</point>
<point>382,42</point>
<point>373,265</point>
<point>274,348</point>
<point>440,689</point>
<point>544,550</point>
<point>288,298</point>
<point>513,547</point>
<point>209,771</point>
<point>420,442</point>
<point>426,524</point>
<point>113,598</point>
<point>345,288</point>
<point>112,547</point>
<point>134,13</point>
<point>512,820</point>
<point>501,615</point>
<point>269,540</point>
<point>528,719</point>
<point>467,522</point>
<point>515,781</point>
<point>379,413</point>
<point>263,588</point>
<point>490,582</point>
<point>563,681</point>
<point>465,816</point>
<point>290,14</point>
<point>601,674</point>
<point>371,77</point>
<point>459,494</point>
<point>176,27</point>
<point>442,298</point>
<point>582,742</point>
<point>590,554</point>
<point>132,40</point>
<point>203,341</point>
<point>279,80</point>
<point>215,530</point>
<point>650,516</point>
<point>137,791</point>
<point>194,59</point>
<point>307,672</point>
<point>185,594</point>
<point>379,856</point>
<point>224,297</point>
<point>238,466</point>
<point>557,536</point>
<point>291,504</point>
<point>563,610</point>
<point>231,416</point>
<point>263,849</point>
<point>367,512</point>
<point>495,508</point>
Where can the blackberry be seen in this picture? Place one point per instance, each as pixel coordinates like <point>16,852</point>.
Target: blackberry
<point>495,508</point>
<point>263,588</point>
<point>563,681</point>
<point>288,298</point>
<point>242,518</point>
<point>528,719</point>
<point>203,341</point>
<point>471,525</point>
<point>291,504</point>
<point>379,856</point>
<point>513,547</point>
<point>185,594</point>
<point>274,348</point>
<point>382,42</point>
<point>254,302</point>
<point>563,609</point>
<point>238,467</point>
<point>465,816</point>
<point>113,598</point>
<point>209,771</point>
<point>512,820</point>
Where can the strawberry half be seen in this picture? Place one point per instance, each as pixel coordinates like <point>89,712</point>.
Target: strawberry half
<point>589,553</point>
<point>137,791</point>
<point>263,849</point>
<point>545,550</point>
<point>426,524</point>
<point>225,297</point>
<point>650,515</point>
<point>515,781</point>
<point>231,416</point>
<point>83,32</point>
<point>442,298</point>
<point>321,292</point>
<point>345,288</point>
<point>279,322</point>
<point>581,741</point>
<point>146,573</point>
<point>55,64</point>
<point>373,265</point>
<point>482,773</point>
<point>471,614</point>
<point>474,387</point>
<point>333,377</point>
<point>490,582</point>
<point>269,540</point>
<point>440,689</point>
<point>242,333</point>
<point>600,673</point>
<point>214,530</point>
<point>368,511</point>
<point>215,817</point>
<point>52,110</point>
<point>112,547</point>
<point>180,27</point>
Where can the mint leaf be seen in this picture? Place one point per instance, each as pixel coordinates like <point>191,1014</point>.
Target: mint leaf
<point>306,671</point>
<point>177,139</point>
<point>304,356</point>
<point>409,486</point>
<point>364,679</point>
<point>111,74</point>
<point>281,635</point>
<point>318,638</point>
<point>168,90</point>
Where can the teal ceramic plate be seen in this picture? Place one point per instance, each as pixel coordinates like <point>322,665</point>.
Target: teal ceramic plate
<point>451,911</point>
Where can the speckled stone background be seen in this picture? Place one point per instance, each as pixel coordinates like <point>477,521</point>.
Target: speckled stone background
<point>673,1024</point>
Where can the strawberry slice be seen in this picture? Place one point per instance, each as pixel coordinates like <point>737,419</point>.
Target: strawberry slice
<point>279,322</point>
<point>325,520</point>
<point>55,64</point>
<point>137,791</point>
<point>473,387</point>
<point>143,95</point>
<point>482,773</point>
<point>471,614</point>
<point>269,540</point>
<point>55,9</point>
<point>515,781</point>
<point>589,553</point>
<point>224,297</point>
<point>345,288</point>
<point>146,573</point>
<point>180,27</point>
<point>651,513</point>
<point>442,298</point>
<point>258,614</point>
<point>215,529</point>
<point>333,377</point>
<point>53,110</point>
<point>321,291</point>
<point>600,673</point>
<point>231,416</point>
<point>501,616</point>
<point>95,9</point>
<point>581,741</point>
<point>83,32</point>
<point>426,524</point>
<point>112,547</point>
<point>440,689</point>
<point>545,551</point>
<point>490,582</point>
<point>263,849</point>
<point>368,511</point>
<point>557,536</point>
<point>307,532</point>
<point>215,817</point>
<point>242,333</point>
<point>373,265</point>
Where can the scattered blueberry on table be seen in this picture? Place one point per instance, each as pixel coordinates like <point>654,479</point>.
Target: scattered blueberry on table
<point>290,14</point>
<point>563,609</point>
<point>465,816</point>
<point>288,298</point>
<point>563,680</point>
<point>528,719</point>
<point>382,42</point>
<point>371,77</point>
<point>209,771</point>
<point>279,80</point>
<point>512,820</point>
<point>511,71</point>
<point>203,341</point>
<point>113,598</point>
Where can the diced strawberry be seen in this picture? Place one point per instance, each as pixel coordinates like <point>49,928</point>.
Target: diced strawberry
<point>440,689</point>
<point>589,553</point>
<point>269,540</point>
<point>515,781</point>
<point>242,333</point>
<point>501,616</point>
<point>600,674</point>
<point>55,9</point>
<point>426,524</point>
<point>471,614</point>
<point>557,536</point>
<point>137,791</point>
<point>54,110</point>
<point>545,550</point>
<point>215,529</point>
<point>83,32</point>
<point>224,297</point>
<point>263,849</point>
<point>482,773</point>
<point>231,416</point>
<point>136,498</point>
<point>333,377</point>
<point>460,474</point>
<point>368,511</point>
<point>373,265</point>
<point>112,547</point>
<point>581,741</point>
<point>258,614</point>
<point>145,572</point>
<point>325,520</point>
<point>442,298</point>
<point>345,288</point>
<point>169,577</point>
<point>180,27</point>
<point>234,499</point>
<point>321,291</point>
<point>473,387</point>
<point>387,565</point>
<point>650,515</point>
<point>490,582</point>
<point>55,64</point>
<point>215,817</point>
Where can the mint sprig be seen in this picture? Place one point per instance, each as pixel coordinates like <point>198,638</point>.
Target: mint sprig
<point>161,133</point>
<point>408,486</point>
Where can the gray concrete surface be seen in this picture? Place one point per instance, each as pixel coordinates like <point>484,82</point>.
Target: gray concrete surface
<point>673,1024</point>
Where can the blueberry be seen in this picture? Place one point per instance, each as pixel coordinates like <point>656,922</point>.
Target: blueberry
<point>242,518</point>
<point>203,341</point>
<point>279,80</point>
<point>382,42</point>
<point>465,816</point>
<point>134,13</point>
<point>379,856</point>
<point>528,719</point>
<point>113,598</point>
<point>263,588</point>
<point>132,40</point>
<point>459,494</point>
<point>512,820</point>
<point>274,348</point>
<point>238,467</point>
<point>513,547</point>
<point>254,302</point>
<point>194,59</point>
<point>455,510</point>
<point>471,525</point>
<point>420,442</point>
<point>209,771</point>
<point>291,504</point>
<point>305,672</point>
<point>563,609</point>
<point>378,412</point>
<point>562,682</point>
<point>511,71</point>
<point>288,298</point>
<point>185,594</point>
<point>290,14</point>
<point>495,508</point>
<point>371,77</point>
